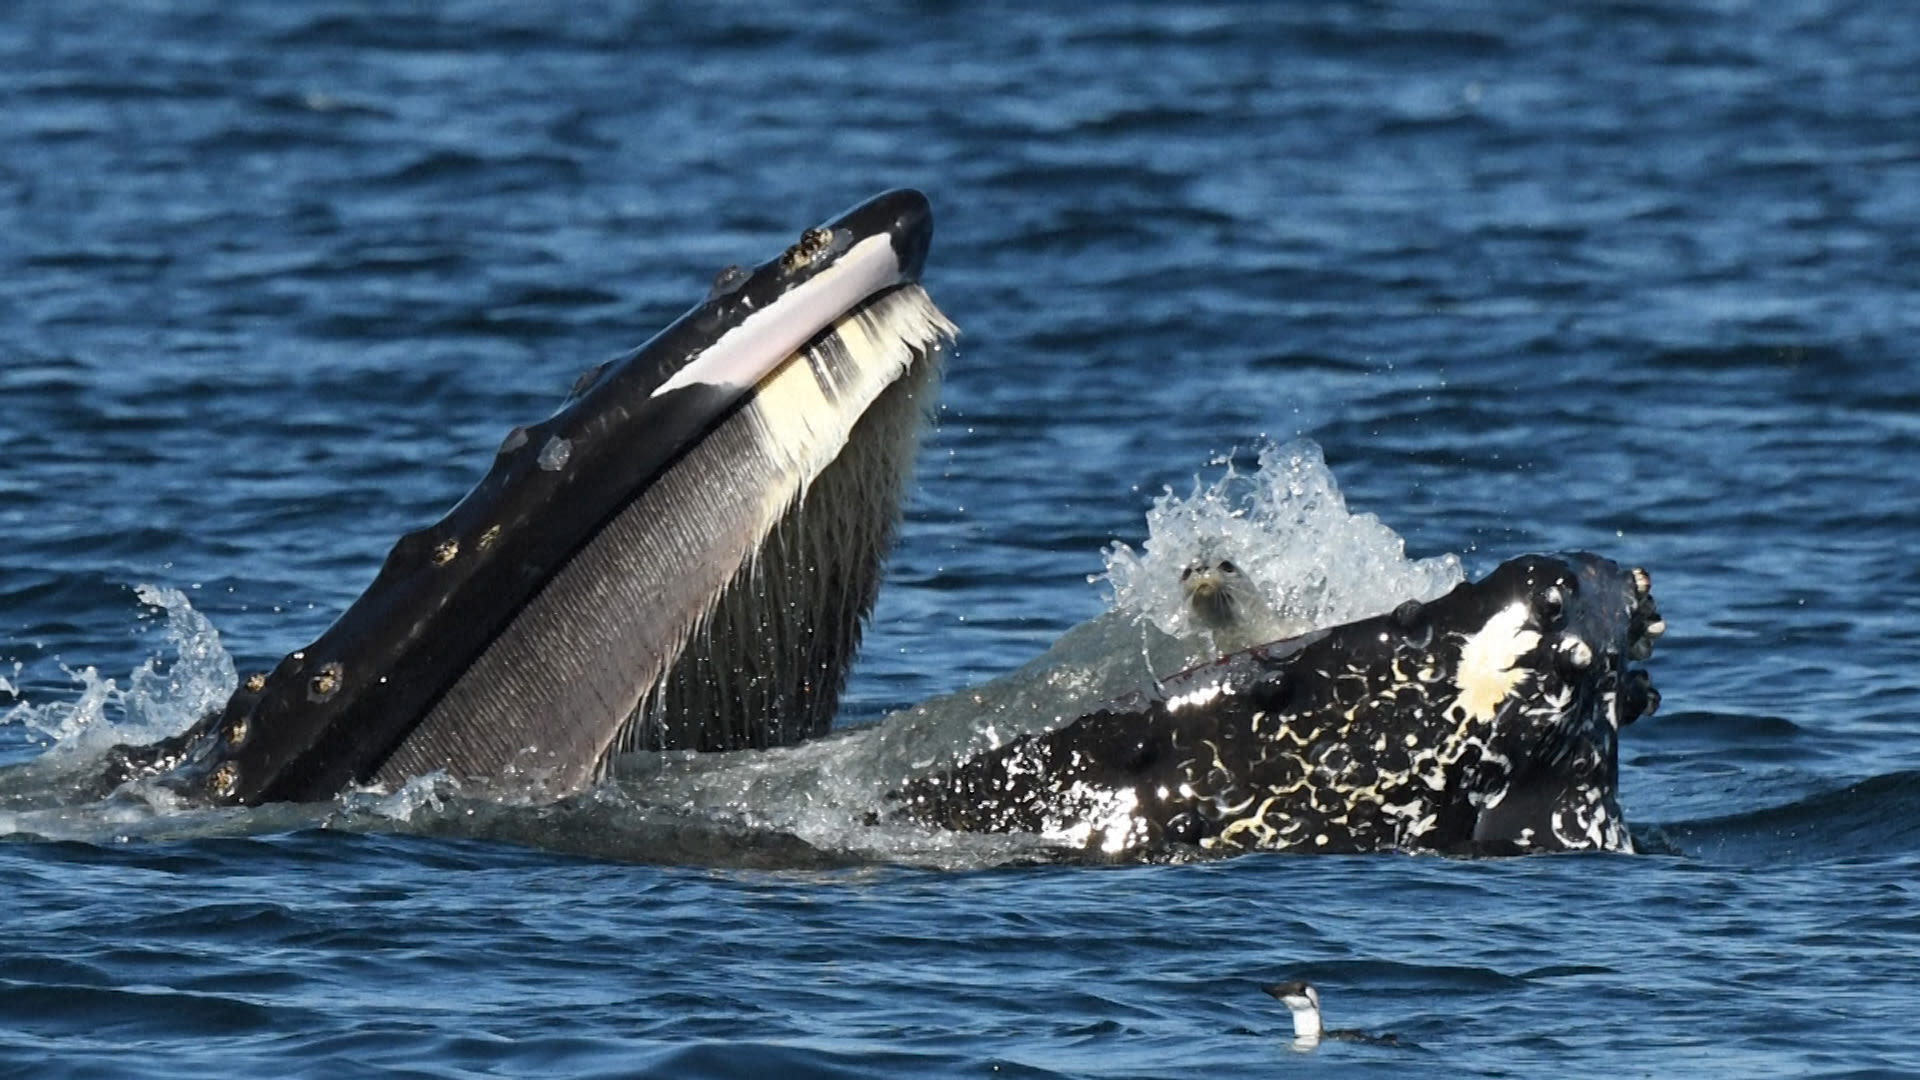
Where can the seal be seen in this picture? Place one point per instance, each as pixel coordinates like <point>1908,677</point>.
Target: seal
<point>1484,721</point>
<point>1226,602</point>
<point>681,557</point>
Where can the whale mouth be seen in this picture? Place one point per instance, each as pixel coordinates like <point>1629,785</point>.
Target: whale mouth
<point>681,557</point>
<point>1484,721</point>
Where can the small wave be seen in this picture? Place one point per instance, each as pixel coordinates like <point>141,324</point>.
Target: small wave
<point>191,677</point>
<point>1877,816</point>
<point>162,696</point>
<point>1746,356</point>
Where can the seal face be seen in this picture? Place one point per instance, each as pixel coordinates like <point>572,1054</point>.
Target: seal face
<point>1459,725</point>
<point>1226,602</point>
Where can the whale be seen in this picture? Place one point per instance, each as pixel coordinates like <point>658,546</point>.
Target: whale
<point>1484,721</point>
<point>681,557</point>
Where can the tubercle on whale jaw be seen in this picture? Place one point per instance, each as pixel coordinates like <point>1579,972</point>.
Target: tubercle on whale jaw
<point>813,244</point>
<point>224,781</point>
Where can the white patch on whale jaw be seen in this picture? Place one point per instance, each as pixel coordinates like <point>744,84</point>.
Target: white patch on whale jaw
<point>1198,696</point>
<point>1487,675</point>
<point>745,354</point>
<point>1591,824</point>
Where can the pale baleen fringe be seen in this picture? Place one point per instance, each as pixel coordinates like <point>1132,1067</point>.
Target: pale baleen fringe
<point>833,432</point>
<point>805,411</point>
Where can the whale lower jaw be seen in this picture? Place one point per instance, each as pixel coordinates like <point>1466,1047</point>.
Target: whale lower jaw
<point>719,610</point>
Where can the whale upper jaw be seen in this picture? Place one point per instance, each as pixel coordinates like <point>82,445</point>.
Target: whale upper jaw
<point>680,557</point>
<point>1484,721</point>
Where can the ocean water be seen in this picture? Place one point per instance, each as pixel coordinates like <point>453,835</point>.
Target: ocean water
<point>1632,277</point>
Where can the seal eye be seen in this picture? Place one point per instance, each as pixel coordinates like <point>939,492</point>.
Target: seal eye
<point>1227,567</point>
<point>1187,573</point>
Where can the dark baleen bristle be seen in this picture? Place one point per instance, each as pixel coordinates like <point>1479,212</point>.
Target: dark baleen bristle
<point>722,607</point>
<point>767,667</point>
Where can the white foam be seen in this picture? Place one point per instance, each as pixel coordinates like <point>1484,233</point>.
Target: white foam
<point>1287,527</point>
<point>163,696</point>
<point>429,793</point>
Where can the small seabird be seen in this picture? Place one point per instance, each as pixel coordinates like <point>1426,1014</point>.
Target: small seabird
<point>1227,603</point>
<point>1303,1001</point>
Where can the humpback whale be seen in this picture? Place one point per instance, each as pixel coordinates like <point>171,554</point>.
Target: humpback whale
<point>681,557</point>
<point>1484,721</point>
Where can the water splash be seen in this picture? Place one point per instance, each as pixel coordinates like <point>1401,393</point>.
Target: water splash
<point>429,793</point>
<point>163,696</point>
<point>1288,529</point>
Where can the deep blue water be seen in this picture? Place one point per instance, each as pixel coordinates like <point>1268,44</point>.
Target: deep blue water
<point>1639,278</point>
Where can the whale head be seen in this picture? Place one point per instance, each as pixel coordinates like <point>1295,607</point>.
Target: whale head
<point>1485,720</point>
<point>680,557</point>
